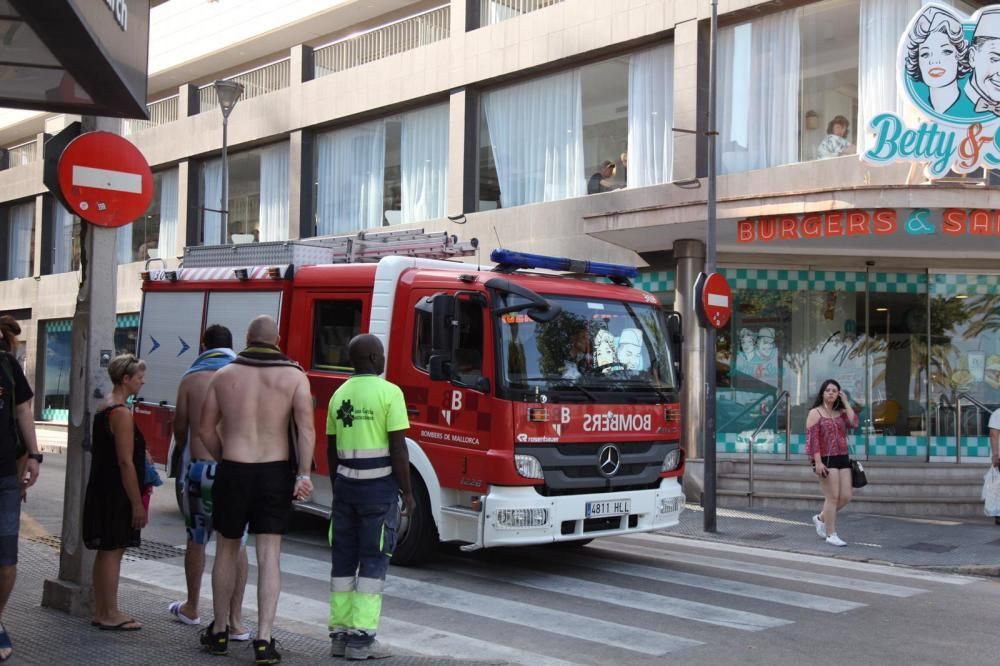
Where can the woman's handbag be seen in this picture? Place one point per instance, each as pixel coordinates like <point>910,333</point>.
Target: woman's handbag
<point>858,477</point>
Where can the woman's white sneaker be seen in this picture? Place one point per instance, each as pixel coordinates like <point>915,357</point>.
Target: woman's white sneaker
<point>820,527</point>
<point>835,540</point>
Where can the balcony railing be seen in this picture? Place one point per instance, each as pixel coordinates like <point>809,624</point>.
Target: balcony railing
<point>494,11</point>
<point>383,41</point>
<point>23,153</point>
<point>160,112</point>
<point>256,82</point>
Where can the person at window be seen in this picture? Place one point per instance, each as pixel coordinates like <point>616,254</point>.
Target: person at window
<point>623,168</point>
<point>579,354</point>
<point>936,61</point>
<point>835,144</point>
<point>601,181</point>
<point>826,446</point>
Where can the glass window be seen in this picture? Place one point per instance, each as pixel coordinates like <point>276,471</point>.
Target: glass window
<point>334,324</point>
<point>468,361</point>
<point>258,197</point>
<point>144,237</point>
<point>422,339</point>
<point>20,240</point>
<point>384,172</point>
<point>570,134</point>
<point>788,86</point>
<point>65,239</point>
<point>58,343</point>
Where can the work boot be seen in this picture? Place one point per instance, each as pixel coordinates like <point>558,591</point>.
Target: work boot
<point>373,650</point>
<point>338,643</point>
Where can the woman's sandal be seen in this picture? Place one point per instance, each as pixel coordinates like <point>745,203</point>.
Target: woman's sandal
<point>5,643</point>
<point>121,626</point>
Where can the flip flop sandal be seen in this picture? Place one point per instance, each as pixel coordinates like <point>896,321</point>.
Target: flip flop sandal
<point>116,627</point>
<point>175,610</point>
<point>5,643</point>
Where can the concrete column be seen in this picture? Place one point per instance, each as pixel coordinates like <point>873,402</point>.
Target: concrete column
<point>187,101</point>
<point>300,184</point>
<point>187,206</point>
<point>463,171</point>
<point>462,11</point>
<point>686,116</point>
<point>690,256</point>
<point>39,233</point>
<point>302,68</point>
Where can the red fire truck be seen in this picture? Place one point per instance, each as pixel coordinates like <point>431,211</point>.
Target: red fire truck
<point>543,407</point>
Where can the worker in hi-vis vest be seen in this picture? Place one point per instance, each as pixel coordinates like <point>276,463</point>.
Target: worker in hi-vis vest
<point>369,466</point>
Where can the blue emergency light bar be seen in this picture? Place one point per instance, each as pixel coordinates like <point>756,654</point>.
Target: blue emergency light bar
<point>508,259</point>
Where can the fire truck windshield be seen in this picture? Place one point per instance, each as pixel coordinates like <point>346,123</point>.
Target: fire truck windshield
<point>591,346</point>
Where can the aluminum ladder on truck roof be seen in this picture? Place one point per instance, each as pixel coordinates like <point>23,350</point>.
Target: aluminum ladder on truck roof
<point>366,246</point>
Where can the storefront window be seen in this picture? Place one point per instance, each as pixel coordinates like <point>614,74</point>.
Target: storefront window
<point>384,172</point>
<point>58,342</point>
<point>964,362</point>
<point>788,86</point>
<point>587,130</point>
<point>258,197</point>
<point>65,239</point>
<point>791,330</point>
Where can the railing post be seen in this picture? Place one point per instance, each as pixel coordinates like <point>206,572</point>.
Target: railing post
<point>958,430</point>
<point>788,427</point>
<point>750,475</point>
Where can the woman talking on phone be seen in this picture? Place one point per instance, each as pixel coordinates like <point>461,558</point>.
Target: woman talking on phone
<point>826,446</point>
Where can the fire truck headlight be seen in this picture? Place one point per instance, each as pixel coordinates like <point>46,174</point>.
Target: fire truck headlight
<point>668,505</point>
<point>528,466</point>
<point>516,518</point>
<point>671,461</point>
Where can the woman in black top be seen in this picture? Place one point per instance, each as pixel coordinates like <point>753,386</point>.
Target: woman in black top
<point>113,512</point>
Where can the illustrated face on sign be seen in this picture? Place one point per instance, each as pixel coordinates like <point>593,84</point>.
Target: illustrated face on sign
<point>630,349</point>
<point>765,343</point>
<point>984,57</point>
<point>938,59</point>
<point>604,348</point>
<point>747,340</point>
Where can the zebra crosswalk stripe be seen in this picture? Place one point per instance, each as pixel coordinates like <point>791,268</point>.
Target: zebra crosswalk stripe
<point>725,586</point>
<point>853,566</point>
<point>629,598</point>
<point>674,557</point>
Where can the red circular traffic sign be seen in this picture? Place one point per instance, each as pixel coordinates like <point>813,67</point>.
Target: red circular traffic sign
<point>716,300</point>
<point>105,179</point>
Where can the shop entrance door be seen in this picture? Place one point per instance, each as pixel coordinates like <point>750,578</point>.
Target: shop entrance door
<point>895,423</point>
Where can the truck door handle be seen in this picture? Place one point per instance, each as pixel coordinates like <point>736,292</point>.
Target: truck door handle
<point>412,411</point>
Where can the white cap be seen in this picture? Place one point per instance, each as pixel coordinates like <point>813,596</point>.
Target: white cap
<point>765,333</point>
<point>988,24</point>
<point>630,336</point>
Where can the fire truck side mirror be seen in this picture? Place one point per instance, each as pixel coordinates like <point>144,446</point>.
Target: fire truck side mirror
<point>442,336</point>
<point>675,339</point>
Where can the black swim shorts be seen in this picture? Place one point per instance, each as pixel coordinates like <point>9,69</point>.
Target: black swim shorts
<point>258,494</point>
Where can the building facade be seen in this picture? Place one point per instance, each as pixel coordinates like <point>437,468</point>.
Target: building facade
<point>575,128</point>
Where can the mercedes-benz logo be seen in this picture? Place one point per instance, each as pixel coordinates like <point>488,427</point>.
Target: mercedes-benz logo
<point>609,460</point>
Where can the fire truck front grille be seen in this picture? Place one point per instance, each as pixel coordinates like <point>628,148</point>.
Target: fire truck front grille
<point>574,469</point>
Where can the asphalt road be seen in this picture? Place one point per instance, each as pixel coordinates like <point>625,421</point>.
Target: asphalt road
<point>648,599</point>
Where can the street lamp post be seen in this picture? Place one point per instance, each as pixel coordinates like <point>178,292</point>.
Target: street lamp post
<point>709,501</point>
<point>228,93</point>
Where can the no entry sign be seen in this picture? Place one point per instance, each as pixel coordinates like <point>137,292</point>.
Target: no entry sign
<point>105,179</point>
<point>714,300</point>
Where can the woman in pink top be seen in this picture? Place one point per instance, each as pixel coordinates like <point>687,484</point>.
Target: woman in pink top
<point>826,446</point>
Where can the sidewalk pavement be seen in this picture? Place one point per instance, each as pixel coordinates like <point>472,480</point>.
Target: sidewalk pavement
<point>44,636</point>
<point>961,545</point>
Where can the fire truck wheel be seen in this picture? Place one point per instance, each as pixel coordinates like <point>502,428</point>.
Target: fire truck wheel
<point>417,537</point>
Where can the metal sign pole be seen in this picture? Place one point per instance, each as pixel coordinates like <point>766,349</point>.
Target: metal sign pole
<point>709,500</point>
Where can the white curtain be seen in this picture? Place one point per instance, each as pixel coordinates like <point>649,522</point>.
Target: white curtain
<point>424,163</point>
<point>350,173</point>
<point>21,224</point>
<point>773,114</point>
<point>167,242</point>
<point>650,116</point>
<point>211,198</point>
<point>274,193</point>
<point>733,87</point>
<point>62,240</point>
<point>536,131</point>
<point>882,23</point>
<point>123,243</point>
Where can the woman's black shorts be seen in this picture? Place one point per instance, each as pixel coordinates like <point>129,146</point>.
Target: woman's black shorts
<point>837,462</point>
